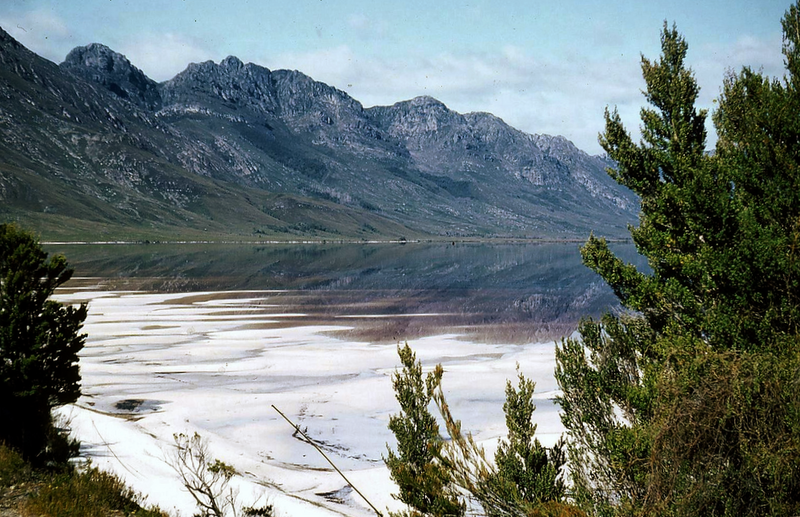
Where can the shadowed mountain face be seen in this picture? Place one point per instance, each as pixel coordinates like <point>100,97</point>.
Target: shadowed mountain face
<point>93,147</point>
<point>100,64</point>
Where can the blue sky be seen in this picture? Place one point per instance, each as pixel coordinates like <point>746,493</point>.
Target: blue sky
<point>543,66</point>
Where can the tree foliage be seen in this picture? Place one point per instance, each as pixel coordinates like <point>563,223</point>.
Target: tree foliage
<point>687,403</point>
<point>424,482</point>
<point>532,472</point>
<point>438,478</point>
<point>524,479</point>
<point>39,343</point>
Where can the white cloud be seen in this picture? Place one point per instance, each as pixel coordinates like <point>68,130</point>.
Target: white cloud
<point>162,56</point>
<point>536,96</point>
<point>366,28</point>
<point>714,61</point>
<point>514,54</point>
<point>41,31</point>
<point>535,93</point>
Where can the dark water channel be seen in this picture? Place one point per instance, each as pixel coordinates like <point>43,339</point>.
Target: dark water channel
<point>494,292</point>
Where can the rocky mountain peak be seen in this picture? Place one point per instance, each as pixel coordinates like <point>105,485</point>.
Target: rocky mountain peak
<point>250,133</point>
<point>220,86</point>
<point>416,117</point>
<point>96,55</point>
<point>297,100</point>
<point>559,146</point>
<point>291,83</point>
<point>491,128</point>
<point>15,56</point>
<point>427,102</point>
<point>231,63</point>
<point>486,120</point>
<point>99,64</point>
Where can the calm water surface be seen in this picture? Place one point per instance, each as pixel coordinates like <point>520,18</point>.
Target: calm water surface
<point>386,292</point>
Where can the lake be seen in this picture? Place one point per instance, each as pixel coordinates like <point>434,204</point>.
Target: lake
<point>517,292</point>
<point>207,338</point>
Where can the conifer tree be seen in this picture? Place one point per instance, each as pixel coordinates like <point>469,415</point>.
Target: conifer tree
<point>39,344</point>
<point>674,406</point>
<point>525,478</point>
<point>424,482</point>
<point>530,471</point>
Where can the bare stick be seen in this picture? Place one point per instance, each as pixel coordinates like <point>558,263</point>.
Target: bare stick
<point>309,440</point>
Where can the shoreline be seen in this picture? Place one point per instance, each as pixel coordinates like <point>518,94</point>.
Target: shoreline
<point>443,241</point>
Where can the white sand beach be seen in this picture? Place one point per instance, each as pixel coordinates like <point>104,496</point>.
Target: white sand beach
<point>215,363</point>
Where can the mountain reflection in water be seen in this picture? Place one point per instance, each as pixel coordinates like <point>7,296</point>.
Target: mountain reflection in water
<point>387,292</point>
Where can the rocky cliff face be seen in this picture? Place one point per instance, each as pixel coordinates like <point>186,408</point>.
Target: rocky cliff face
<point>281,99</point>
<point>98,63</point>
<point>445,142</point>
<point>100,126</point>
<point>231,83</point>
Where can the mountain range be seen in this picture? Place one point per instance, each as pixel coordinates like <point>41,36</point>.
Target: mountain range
<point>93,149</point>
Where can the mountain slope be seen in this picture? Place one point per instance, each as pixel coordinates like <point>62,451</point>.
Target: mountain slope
<point>236,150</point>
<point>78,160</point>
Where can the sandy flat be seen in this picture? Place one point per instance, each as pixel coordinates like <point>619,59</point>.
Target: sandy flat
<point>215,363</point>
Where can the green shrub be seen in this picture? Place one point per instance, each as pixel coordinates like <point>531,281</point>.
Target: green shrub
<point>90,493</point>
<point>525,477</point>
<point>425,483</point>
<point>13,468</point>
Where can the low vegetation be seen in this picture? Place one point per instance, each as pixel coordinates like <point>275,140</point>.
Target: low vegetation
<point>524,476</point>
<point>444,478</point>
<point>207,479</point>
<point>65,491</point>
